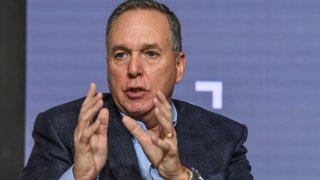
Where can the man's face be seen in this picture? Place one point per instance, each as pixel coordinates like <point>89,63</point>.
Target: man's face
<point>141,61</point>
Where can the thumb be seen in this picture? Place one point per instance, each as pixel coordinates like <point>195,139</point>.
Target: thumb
<point>133,127</point>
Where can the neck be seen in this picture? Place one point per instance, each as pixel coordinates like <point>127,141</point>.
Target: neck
<point>148,119</point>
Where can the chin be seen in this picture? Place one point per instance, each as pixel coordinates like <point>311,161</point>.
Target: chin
<point>138,113</point>
<point>139,109</point>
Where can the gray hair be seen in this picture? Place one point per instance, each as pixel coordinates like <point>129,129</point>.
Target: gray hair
<point>174,23</point>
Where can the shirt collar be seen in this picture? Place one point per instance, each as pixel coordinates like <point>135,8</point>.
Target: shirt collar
<point>173,114</point>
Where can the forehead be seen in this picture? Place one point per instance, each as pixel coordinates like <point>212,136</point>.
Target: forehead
<point>140,24</point>
<point>142,16</point>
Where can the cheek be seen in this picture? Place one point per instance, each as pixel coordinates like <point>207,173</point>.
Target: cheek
<point>162,76</point>
<point>116,78</point>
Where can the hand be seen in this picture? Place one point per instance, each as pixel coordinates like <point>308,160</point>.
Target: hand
<point>90,138</point>
<point>161,150</point>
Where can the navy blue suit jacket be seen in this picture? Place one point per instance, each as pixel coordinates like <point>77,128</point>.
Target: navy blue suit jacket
<point>209,142</point>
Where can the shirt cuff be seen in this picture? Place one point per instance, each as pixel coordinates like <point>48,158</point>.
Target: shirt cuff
<point>68,175</point>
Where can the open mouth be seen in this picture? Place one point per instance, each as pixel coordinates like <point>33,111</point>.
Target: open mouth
<point>136,89</point>
<point>135,92</point>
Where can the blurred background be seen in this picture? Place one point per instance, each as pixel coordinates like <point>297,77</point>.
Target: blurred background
<point>255,61</point>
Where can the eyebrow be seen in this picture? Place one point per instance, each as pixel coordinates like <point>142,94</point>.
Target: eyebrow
<point>144,47</point>
<point>122,47</point>
<point>151,46</point>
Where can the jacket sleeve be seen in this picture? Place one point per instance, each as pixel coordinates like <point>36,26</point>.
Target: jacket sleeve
<point>239,167</point>
<point>50,157</point>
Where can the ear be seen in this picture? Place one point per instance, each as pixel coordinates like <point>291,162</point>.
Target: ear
<point>180,65</point>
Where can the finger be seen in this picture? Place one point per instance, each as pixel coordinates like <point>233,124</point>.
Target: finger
<point>165,146</point>
<point>165,125</point>
<point>94,143</point>
<point>164,107</point>
<point>103,117</point>
<point>87,113</point>
<point>163,100</point>
<point>99,138</point>
<point>133,127</point>
<point>88,133</point>
<point>91,92</point>
<point>91,101</point>
<point>164,111</point>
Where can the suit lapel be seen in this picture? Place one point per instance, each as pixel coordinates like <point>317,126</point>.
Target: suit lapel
<point>191,143</point>
<point>122,159</point>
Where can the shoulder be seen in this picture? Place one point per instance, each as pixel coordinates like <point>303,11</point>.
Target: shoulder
<point>62,117</point>
<point>57,125</point>
<point>204,120</point>
<point>60,113</point>
<point>214,137</point>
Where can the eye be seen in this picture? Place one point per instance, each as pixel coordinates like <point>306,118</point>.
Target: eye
<point>121,55</point>
<point>152,54</point>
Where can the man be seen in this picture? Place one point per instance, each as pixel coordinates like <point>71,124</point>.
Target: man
<point>137,131</point>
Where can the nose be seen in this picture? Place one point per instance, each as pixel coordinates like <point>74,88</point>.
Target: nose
<point>135,66</point>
